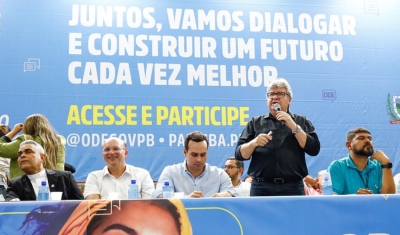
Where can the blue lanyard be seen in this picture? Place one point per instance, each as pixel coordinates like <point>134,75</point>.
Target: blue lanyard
<point>359,174</point>
<point>366,180</point>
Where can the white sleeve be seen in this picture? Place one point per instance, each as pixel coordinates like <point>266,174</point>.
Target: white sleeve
<point>397,183</point>
<point>147,187</point>
<point>164,177</point>
<point>92,185</point>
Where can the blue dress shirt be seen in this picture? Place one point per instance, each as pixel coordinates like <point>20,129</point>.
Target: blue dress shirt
<point>212,180</point>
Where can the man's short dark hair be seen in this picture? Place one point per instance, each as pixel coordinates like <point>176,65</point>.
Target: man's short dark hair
<point>239,163</point>
<point>195,136</point>
<point>352,133</point>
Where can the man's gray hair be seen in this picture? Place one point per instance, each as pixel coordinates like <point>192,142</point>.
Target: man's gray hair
<point>38,147</point>
<point>281,83</point>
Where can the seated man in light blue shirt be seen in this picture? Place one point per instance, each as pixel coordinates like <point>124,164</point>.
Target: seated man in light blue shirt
<point>363,171</point>
<point>194,176</point>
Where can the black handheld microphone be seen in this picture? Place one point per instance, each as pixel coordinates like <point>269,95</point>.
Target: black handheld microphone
<point>277,107</point>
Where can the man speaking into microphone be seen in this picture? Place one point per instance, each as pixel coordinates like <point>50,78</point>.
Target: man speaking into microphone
<point>278,163</point>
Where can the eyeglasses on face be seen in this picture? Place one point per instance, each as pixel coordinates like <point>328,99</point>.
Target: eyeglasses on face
<point>277,94</point>
<point>229,167</point>
<point>107,150</point>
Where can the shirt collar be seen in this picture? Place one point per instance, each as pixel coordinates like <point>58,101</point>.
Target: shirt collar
<point>106,172</point>
<point>206,168</point>
<point>41,174</point>
<point>269,115</point>
<point>238,185</point>
<point>350,163</point>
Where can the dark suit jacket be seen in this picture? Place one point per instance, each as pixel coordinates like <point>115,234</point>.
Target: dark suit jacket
<point>59,181</point>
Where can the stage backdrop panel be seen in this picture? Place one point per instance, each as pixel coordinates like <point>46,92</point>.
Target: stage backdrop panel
<point>152,71</point>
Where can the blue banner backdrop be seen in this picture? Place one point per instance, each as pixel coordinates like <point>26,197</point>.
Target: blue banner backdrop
<point>152,71</point>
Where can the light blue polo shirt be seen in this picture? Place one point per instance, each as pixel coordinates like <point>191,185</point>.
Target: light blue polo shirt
<point>347,179</point>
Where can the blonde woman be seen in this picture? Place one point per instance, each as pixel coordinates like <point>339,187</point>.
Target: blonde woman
<point>4,162</point>
<point>36,127</point>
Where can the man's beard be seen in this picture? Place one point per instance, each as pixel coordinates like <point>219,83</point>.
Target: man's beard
<point>364,152</point>
<point>234,175</point>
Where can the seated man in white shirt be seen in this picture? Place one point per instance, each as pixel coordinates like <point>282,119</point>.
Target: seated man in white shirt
<point>234,168</point>
<point>117,175</point>
<point>397,183</point>
<point>194,176</point>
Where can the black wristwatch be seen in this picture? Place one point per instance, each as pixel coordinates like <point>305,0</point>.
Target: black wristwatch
<point>388,166</point>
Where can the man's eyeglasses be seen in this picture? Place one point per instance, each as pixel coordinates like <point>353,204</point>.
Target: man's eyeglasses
<point>229,167</point>
<point>107,150</point>
<point>277,94</point>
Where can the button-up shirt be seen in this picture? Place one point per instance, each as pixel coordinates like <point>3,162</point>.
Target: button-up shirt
<point>282,157</point>
<point>242,184</point>
<point>102,182</point>
<point>212,180</point>
<point>36,180</point>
